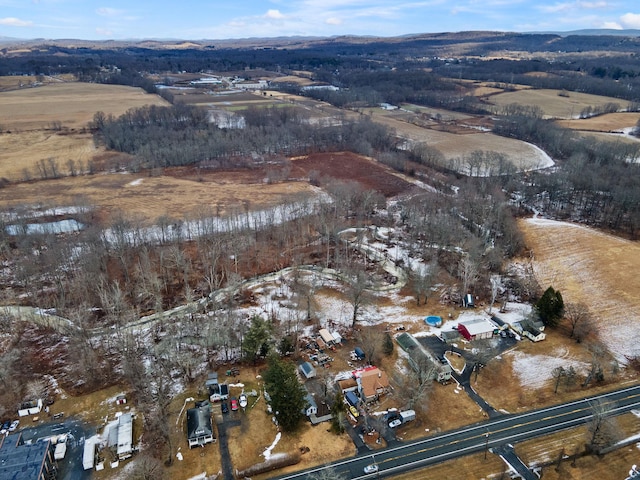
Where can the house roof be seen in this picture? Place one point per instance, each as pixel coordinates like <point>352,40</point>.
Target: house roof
<point>347,384</point>
<point>372,381</point>
<point>450,334</point>
<point>311,401</point>
<point>25,460</point>
<point>477,326</point>
<point>307,369</point>
<point>199,422</point>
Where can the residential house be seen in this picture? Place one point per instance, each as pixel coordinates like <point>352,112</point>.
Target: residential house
<point>312,406</point>
<point>199,427</point>
<point>421,359</point>
<point>121,436</point>
<point>373,383</point>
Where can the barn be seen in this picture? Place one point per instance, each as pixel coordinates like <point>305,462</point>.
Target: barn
<point>476,329</point>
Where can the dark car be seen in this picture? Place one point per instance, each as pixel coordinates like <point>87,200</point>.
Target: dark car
<point>234,404</point>
<point>225,407</point>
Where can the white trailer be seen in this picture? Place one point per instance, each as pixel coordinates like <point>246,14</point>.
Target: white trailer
<point>89,454</point>
<point>408,415</point>
<point>60,451</point>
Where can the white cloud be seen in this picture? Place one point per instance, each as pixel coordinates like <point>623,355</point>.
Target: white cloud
<point>630,20</point>
<point>104,32</point>
<point>274,15</point>
<point>15,22</point>
<point>333,21</point>
<point>108,12</point>
<point>611,25</point>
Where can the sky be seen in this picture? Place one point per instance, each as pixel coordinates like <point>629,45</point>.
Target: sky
<point>217,19</point>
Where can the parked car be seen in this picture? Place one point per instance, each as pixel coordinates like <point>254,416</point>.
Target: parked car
<point>14,425</point>
<point>234,404</point>
<point>225,407</point>
<point>373,468</point>
<point>243,401</point>
<point>5,427</point>
<point>395,423</point>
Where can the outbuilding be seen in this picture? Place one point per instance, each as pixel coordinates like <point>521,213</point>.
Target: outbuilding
<point>307,370</point>
<point>326,337</point>
<point>476,329</point>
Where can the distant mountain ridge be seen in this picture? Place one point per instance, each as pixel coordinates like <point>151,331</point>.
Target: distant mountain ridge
<point>302,41</point>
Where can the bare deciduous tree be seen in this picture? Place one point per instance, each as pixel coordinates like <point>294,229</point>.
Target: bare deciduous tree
<point>603,430</point>
<point>580,320</point>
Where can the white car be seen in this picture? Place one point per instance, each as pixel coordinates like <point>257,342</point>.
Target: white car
<point>243,401</point>
<point>395,423</point>
<point>14,425</point>
<point>373,468</point>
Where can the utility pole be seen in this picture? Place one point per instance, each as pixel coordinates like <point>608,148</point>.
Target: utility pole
<point>486,444</point>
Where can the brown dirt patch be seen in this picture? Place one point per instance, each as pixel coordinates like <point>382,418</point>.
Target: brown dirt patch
<point>72,104</point>
<point>348,166</point>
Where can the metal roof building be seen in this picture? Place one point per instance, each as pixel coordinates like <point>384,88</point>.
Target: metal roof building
<point>21,461</point>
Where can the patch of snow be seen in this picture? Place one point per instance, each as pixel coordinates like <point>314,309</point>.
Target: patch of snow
<point>236,385</point>
<point>267,453</point>
<point>134,183</point>
<point>179,456</point>
<point>534,371</point>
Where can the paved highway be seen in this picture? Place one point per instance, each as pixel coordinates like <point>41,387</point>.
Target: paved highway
<point>510,428</point>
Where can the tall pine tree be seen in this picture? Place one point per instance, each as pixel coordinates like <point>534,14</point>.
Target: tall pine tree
<point>287,394</point>
<point>550,307</point>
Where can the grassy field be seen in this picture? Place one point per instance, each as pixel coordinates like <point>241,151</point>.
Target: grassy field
<point>147,198</point>
<point>552,104</point>
<point>594,268</point>
<point>454,146</point>
<point>71,104</point>
<point>603,123</point>
<point>21,152</point>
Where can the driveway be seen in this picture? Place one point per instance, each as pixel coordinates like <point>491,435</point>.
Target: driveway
<point>70,468</point>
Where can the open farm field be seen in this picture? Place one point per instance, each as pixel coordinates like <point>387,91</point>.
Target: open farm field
<point>603,123</point>
<point>180,192</point>
<point>454,146</point>
<point>147,198</point>
<point>302,81</point>
<point>70,105</point>
<point>20,152</point>
<point>565,106</point>
<point>610,137</point>
<point>439,113</point>
<point>231,101</point>
<point>593,268</point>
<point>14,82</point>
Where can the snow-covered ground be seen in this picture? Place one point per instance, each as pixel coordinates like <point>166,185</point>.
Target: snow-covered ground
<point>534,371</point>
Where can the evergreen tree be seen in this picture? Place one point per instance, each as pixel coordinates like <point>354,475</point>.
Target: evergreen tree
<point>550,307</point>
<point>286,392</point>
<point>256,340</point>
